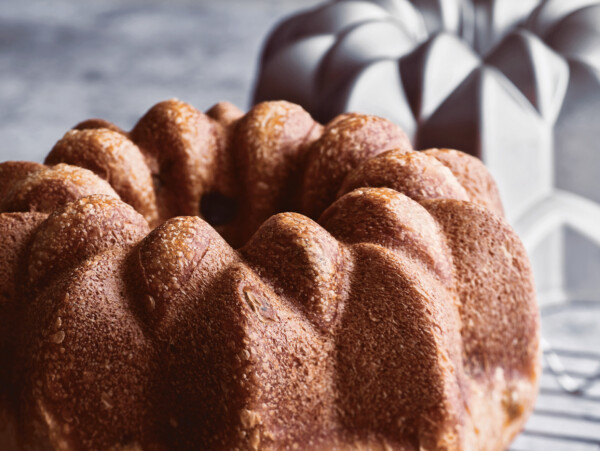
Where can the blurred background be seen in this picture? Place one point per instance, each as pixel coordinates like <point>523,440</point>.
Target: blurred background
<point>64,61</point>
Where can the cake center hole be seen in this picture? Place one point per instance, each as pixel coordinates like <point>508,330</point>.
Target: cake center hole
<point>217,209</point>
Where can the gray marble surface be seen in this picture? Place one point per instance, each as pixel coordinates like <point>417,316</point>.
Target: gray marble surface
<point>64,61</point>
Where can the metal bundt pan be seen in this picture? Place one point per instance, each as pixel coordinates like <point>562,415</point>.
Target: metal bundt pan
<point>516,83</point>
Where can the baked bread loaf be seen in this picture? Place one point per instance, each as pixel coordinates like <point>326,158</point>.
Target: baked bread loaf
<point>377,298</point>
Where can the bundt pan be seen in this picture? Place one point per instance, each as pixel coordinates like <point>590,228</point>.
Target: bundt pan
<point>516,83</point>
<point>377,298</point>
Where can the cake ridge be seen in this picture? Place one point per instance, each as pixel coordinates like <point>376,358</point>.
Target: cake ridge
<point>277,343</point>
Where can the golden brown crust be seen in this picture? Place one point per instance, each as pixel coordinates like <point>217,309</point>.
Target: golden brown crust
<point>91,124</point>
<point>13,171</point>
<point>16,230</point>
<point>180,161</point>
<point>269,145</point>
<point>46,189</point>
<point>311,274</point>
<point>411,173</point>
<point>494,282</point>
<point>346,142</point>
<point>416,236</point>
<point>398,326</point>
<point>225,113</point>
<point>404,319</point>
<point>114,158</point>
<point>500,322</point>
<point>78,231</point>
<point>87,369</point>
<point>472,175</point>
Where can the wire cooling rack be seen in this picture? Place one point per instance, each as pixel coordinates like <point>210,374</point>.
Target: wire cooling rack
<point>567,414</point>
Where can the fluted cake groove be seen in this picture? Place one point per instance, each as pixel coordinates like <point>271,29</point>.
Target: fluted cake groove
<point>377,298</point>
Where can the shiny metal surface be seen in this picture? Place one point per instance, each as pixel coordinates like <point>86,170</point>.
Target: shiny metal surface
<point>515,82</point>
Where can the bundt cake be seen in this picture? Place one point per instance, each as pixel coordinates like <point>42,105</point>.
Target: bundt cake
<point>377,299</point>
